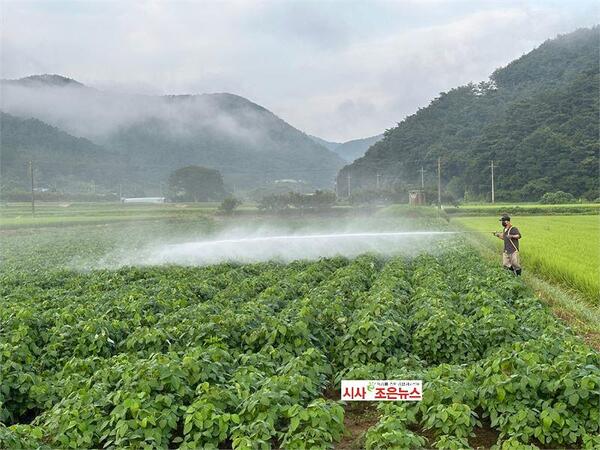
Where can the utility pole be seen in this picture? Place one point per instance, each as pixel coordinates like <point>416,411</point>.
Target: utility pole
<point>349,190</point>
<point>439,161</point>
<point>378,175</point>
<point>120,192</point>
<point>422,179</point>
<point>32,190</point>
<point>492,166</point>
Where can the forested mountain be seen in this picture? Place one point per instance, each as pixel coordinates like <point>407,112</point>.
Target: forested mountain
<point>59,159</point>
<point>349,150</point>
<point>144,138</point>
<point>327,144</point>
<point>537,118</point>
<point>356,148</point>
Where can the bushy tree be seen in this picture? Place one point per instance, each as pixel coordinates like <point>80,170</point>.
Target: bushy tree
<point>534,189</point>
<point>373,196</point>
<point>558,197</point>
<point>229,204</point>
<point>317,200</point>
<point>274,202</point>
<point>196,184</point>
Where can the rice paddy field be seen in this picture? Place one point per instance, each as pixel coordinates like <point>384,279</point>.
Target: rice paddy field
<point>522,209</point>
<point>14,215</point>
<point>562,248</point>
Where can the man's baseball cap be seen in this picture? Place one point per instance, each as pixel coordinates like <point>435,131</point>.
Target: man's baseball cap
<point>505,217</point>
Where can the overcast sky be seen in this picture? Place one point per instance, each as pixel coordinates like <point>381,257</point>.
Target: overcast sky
<point>336,69</point>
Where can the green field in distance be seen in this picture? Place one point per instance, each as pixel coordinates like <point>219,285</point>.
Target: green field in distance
<point>565,249</point>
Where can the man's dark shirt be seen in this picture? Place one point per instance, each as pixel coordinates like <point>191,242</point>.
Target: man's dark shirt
<point>508,247</point>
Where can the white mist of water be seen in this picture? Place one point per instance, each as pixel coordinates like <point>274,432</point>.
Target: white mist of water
<point>284,247</point>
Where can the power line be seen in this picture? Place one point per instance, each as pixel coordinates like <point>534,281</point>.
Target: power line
<point>349,177</point>
<point>32,188</point>
<point>492,167</point>
<point>439,167</point>
<point>422,179</point>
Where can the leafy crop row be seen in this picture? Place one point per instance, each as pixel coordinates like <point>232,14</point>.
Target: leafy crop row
<point>248,356</point>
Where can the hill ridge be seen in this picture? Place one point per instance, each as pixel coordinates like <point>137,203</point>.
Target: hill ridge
<point>542,132</point>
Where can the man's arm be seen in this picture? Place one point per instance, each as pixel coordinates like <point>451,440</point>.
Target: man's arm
<point>515,234</point>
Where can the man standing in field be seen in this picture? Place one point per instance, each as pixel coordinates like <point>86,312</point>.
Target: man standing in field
<point>510,235</point>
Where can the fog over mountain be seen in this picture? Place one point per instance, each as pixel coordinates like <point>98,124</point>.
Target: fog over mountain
<point>155,134</point>
<point>337,70</point>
